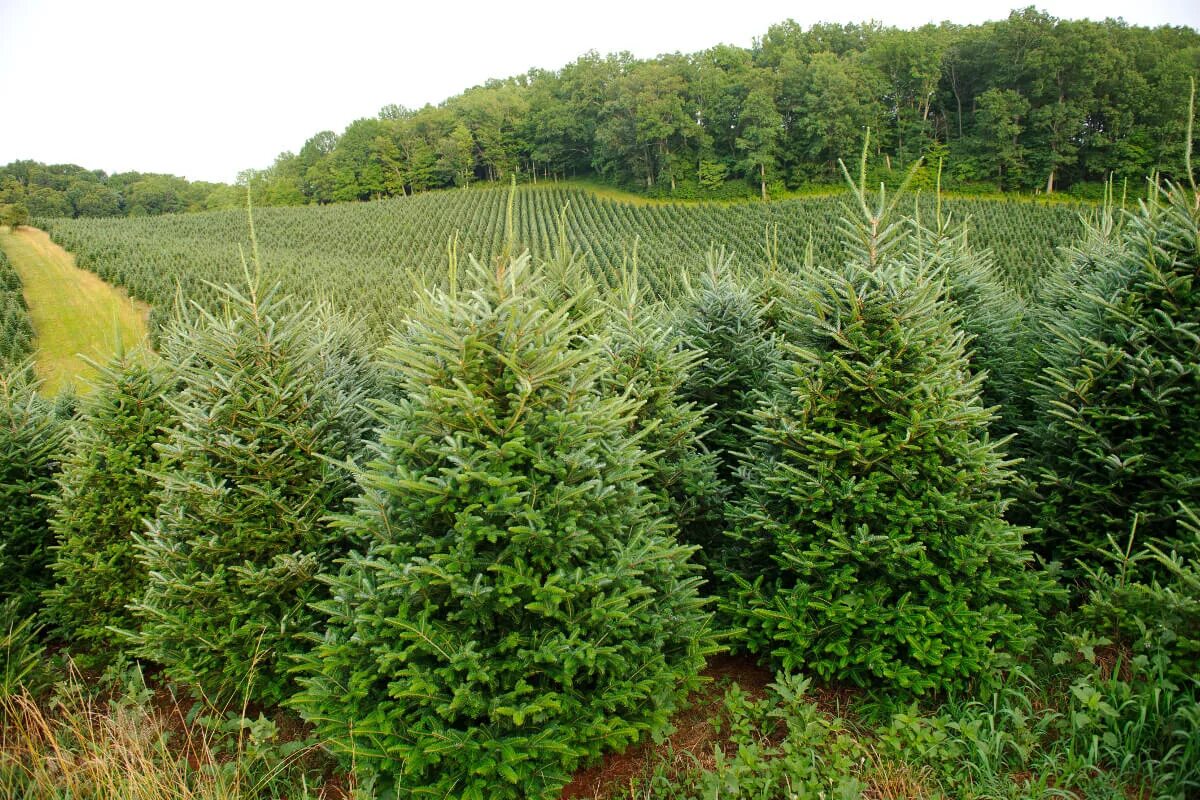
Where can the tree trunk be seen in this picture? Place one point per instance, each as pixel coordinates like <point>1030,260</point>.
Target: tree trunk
<point>1050,182</point>
<point>762,174</point>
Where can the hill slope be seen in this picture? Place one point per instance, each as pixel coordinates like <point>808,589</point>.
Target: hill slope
<point>369,257</point>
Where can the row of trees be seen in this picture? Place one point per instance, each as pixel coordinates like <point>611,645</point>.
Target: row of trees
<point>492,577</point>
<point>29,189</point>
<point>1028,102</point>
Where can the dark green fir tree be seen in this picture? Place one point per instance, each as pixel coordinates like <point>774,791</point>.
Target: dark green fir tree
<point>521,606</point>
<point>1118,395</point>
<point>650,364</point>
<point>32,437</point>
<point>872,533</point>
<point>724,324</point>
<point>105,495</point>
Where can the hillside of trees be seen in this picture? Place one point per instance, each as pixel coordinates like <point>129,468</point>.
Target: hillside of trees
<point>30,189</point>
<point>1029,103</point>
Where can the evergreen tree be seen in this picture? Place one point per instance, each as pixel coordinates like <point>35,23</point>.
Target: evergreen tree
<point>267,406</point>
<point>521,606</point>
<point>872,535</point>
<point>649,364</point>
<point>31,441</point>
<point>722,322</point>
<point>105,494</point>
<point>992,314</point>
<point>1118,400</point>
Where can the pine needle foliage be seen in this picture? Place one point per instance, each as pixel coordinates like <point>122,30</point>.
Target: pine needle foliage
<point>267,406</point>
<point>105,494</point>
<point>723,321</point>
<point>1118,397</point>
<point>649,364</point>
<point>522,606</point>
<point>16,331</point>
<point>872,536</point>
<point>31,441</point>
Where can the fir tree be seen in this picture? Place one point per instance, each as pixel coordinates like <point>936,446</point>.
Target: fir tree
<point>650,365</point>
<point>992,314</point>
<point>105,494</point>
<point>872,535</point>
<point>521,605</point>
<point>31,441</point>
<point>1118,428</point>
<point>267,406</point>
<point>723,323</point>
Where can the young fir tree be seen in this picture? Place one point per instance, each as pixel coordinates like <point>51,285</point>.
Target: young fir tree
<point>650,365</point>
<point>31,441</point>
<point>105,494</point>
<point>993,315</point>
<point>1118,429</point>
<point>873,522</point>
<point>268,403</point>
<point>521,606</point>
<point>723,323</point>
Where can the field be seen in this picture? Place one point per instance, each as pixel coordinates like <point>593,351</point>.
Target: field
<point>75,315</point>
<point>368,257</point>
<point>897,505</point>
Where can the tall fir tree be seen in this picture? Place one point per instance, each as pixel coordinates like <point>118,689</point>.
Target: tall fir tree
<point>268,405</point>
<point>872,533</point>
<point>724,324</point>
<point>105,495</point>
<point>32,436</point>
<point>521,605</point>
<point>649,363</point>
<point>1118,395</point>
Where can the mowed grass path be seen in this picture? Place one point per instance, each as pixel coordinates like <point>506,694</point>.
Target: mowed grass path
<point>74,313</point>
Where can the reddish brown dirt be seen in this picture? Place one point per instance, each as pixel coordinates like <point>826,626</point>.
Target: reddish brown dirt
<point>689,747</point>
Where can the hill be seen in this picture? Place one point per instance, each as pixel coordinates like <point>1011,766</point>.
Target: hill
<point>367,258</point>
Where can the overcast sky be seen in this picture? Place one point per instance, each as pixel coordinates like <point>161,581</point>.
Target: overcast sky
<point>205,89</point>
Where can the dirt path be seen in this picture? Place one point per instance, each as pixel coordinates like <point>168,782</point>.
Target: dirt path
<point>74,313</point>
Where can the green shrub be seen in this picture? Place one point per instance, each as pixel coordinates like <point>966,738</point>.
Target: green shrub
<point>105,494</point>
<point>521,606</point>
<point>267,405</point>
<point>872,533</point>
<point>1118,428</point>
<point>31,440</point>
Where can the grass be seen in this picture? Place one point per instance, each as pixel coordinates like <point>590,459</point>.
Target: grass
<point>76,316</point>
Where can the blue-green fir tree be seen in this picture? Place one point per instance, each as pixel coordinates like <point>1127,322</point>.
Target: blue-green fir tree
<point>267,407</point>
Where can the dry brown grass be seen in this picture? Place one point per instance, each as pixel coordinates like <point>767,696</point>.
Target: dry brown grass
<point>80,747</point>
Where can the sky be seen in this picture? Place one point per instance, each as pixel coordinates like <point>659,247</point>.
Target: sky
<point>206,89</point>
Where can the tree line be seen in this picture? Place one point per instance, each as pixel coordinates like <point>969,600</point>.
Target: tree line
<point>1030,102</point>
<point>1027,103</point>
<point>30,189</point>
